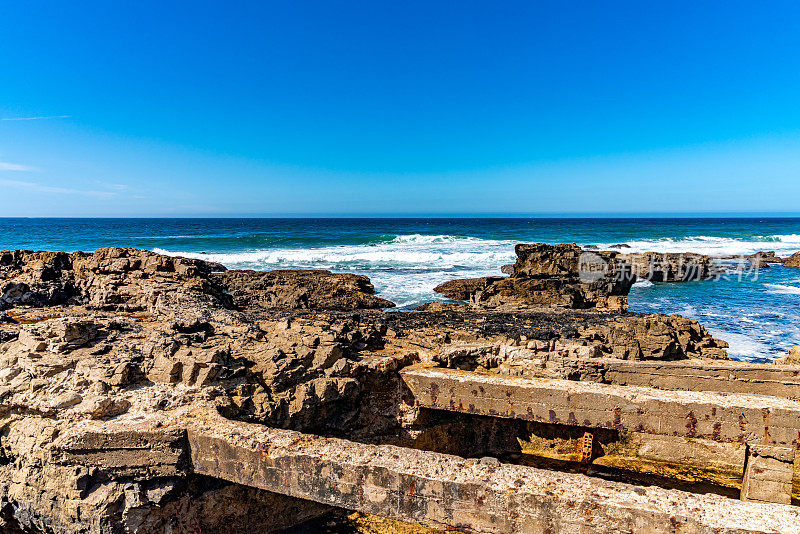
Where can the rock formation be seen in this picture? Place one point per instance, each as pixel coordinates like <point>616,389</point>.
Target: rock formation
<point>670,267</point>
<point>550,275</point>
<point>301,290</point>
<point>764,258</point>
<point>792,358</point>
<point>793,260</point>
<point>106,359</point>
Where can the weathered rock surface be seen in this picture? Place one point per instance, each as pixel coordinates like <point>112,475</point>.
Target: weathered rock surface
<point>550,275</point>
<point>793,260</point>
<point>103,356</point>
<point>670,267</point>
<point>109,279</point>
<point>464,288</point>
<point>301,290</point>
<point>792,358</point>
<point>763,259</point>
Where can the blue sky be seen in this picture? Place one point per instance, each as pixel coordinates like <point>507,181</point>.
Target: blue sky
<point>206,109</point>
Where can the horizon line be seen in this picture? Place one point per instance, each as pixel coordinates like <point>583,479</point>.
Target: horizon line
<point>461,215</point>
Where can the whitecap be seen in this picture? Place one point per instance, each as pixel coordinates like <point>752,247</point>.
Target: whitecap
<point>714,246</point>
<point>788,238</point>
<point>780,289</point>
<point>428,239</point>
<point>744,347</point>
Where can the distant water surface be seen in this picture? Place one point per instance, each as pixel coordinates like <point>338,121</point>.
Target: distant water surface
<point>406,258</point>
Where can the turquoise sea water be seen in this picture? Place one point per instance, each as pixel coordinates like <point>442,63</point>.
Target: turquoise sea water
<point>759,314</point>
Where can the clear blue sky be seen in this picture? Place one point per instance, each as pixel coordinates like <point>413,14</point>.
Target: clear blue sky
<point>226,108</point>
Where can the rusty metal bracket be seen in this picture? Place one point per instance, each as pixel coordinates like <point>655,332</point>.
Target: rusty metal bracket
<point>587,448</point>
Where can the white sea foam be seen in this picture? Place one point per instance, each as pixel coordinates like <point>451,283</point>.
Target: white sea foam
<point>643,283</point>
<point>781,289</point>
<point>427,239</point>
<point>788,238</point>
<point>378,257</point>
<point>785,244</point>
<point>404,270</point>
<point>744,346</point>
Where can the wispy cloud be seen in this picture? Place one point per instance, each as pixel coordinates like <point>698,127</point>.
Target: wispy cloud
<point>4,166</point>
<point>40,118</point>
<point>41,188</point>
<point>109,185</point>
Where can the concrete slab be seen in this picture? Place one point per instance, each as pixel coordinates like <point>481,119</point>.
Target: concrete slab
<point>450,492</point>
<point>736,417</point>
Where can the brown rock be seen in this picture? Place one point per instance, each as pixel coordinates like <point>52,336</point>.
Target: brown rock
<point>464,288</point>
<point>125,348</point>
<point>766,257</point>
<point>793,260</point>
<point>670,267</point>
<point>550,275</point>
<point>792,358</point>
<point>301,290</point>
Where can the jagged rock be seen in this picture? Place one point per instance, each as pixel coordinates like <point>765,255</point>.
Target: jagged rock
<point>464,288</point>
<point>619,245</point>
<point>111,278</point>
<point>33,278</point>
<point>507,269</point>
<point>58,335</point>
<point>106,407</point>
<point>301,290</point>
<point>670,267</point>
<point>110,351</point>
<point>792,358</point>
<point>792,261</point>
<point>658,337</point>
<point>632,337</point>
<point>550,275</point>
<point>765,258</point>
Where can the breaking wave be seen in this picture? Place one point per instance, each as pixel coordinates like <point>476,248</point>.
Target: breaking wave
<point>785,244</point>
<point>780,289</point>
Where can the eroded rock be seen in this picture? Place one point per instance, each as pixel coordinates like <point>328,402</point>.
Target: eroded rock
<point>550,275</point>
<point>670,267</point>
<point>793,260</point>
<point>107,355</point>
<point>301,290</point>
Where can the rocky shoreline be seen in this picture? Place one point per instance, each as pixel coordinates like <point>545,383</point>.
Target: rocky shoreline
<point>104,356</point>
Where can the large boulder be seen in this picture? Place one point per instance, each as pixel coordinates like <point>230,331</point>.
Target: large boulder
<point>656,337</point>
<point>765,257</point>
<point>550,275</point>
<point>793,260</point>
<point>301,290</point>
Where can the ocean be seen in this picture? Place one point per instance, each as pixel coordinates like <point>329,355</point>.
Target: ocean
<point>758,314</point>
